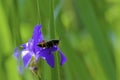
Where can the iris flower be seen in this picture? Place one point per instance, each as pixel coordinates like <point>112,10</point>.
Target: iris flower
<point>30,51</point>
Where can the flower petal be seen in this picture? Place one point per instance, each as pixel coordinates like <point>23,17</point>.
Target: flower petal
<point>48,56</point>
<point>29,44</point>
<point>24,46</point>
<point>37,34</point>
<point>50,59</point>
<point>37,37</point>
<point>54,48</point>
<point>16,53</point>
<point>63,58</point>
<point>26,59</point>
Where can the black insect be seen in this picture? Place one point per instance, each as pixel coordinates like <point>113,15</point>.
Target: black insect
<point>48,44</point>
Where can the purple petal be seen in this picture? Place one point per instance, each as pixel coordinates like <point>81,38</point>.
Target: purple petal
<point>26,59</point>
<point>24,46</point>
<point>63,58</point>
<point>37,34</point>
<point>48,56</point>
<point>30,44</point>
<point>37,37</point>
<point>37,56</point>
<point>50,59</point>
<point>53,49</point>
<point>16,53</point>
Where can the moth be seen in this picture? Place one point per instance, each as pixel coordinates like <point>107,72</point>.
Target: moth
<point>48,44</point>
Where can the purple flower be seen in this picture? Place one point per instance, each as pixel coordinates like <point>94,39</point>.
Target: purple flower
<point>31,51</point>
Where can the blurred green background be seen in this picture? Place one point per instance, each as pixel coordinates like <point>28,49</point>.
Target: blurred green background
<point>89,33</point>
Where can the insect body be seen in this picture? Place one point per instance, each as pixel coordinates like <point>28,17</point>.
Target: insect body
<point>48,44</point>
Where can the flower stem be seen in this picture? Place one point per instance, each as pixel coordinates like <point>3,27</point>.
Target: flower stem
<point>52,24</point>
<point>39,77</point>
<point>55,71</point>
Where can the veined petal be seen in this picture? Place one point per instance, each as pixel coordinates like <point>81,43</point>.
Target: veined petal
<point>63,58</point>
<point>26,56</point>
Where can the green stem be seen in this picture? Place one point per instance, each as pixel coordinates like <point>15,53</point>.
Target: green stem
<point>39,77</point>
<point>55,71</point>
<point>52,26</point>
